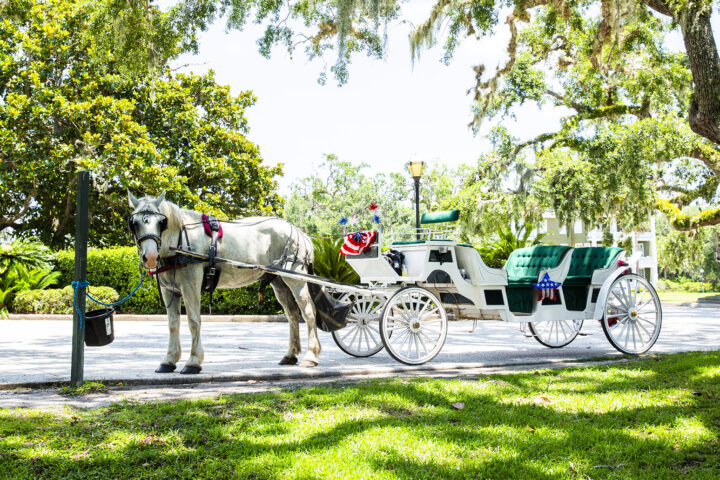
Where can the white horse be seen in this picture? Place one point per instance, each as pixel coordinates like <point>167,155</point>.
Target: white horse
<point>157,223</point>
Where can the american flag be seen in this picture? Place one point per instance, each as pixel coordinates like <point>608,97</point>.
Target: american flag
<point>546,288</point>
<point>357,242</point>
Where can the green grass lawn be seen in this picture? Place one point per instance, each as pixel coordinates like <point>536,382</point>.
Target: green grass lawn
<point>688,297</point>
<point>658,418</point>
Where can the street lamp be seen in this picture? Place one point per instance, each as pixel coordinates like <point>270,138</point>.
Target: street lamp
<point>702,279</point>
<point>416,169</point>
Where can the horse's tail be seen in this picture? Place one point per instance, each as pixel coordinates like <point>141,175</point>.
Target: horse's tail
<point>264,282</point>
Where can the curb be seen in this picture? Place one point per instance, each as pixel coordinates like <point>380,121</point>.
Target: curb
<point>160,318</point>
<point>692,304</point>
<point>313,373</point>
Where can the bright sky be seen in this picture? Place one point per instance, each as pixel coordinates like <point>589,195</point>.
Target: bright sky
<point>387,114</point>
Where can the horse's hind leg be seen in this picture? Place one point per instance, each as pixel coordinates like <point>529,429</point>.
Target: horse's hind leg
<point>301,293</point>
<point>190,289</point>
<point>292,312</point>
<point>173,352</point>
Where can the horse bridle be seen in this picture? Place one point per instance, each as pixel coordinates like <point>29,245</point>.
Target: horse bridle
<point>146,214</point>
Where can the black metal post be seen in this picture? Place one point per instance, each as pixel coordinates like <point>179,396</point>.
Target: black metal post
<point>81,239</point>
<point>417,207</point>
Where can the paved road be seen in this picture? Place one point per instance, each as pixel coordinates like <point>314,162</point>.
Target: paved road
<point>39,351</point>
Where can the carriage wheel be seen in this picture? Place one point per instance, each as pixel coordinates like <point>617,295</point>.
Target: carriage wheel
<point>633,315</point>
<point>413,326</point>
<point>555,333</point>
<point>361,336</point>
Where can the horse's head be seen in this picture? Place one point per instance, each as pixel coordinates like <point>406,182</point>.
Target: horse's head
<point>147,223</point>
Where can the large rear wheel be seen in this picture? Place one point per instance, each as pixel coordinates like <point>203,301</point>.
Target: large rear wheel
<point>413,326</point>
<point>633,315</point>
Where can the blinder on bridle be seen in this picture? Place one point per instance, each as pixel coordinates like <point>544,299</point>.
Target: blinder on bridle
<point>146,214</point>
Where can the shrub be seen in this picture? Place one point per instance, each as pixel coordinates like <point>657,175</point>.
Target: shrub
<point>683,284</point>
<point>59,300</point>
<point>119,268</point>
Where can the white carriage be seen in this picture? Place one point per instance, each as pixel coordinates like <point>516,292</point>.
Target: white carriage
<point>407,311</point>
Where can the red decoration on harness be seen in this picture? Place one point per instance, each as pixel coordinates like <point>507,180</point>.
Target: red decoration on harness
<point>206,226</point>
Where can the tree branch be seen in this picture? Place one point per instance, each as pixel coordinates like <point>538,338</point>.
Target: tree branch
<point>686,223</point>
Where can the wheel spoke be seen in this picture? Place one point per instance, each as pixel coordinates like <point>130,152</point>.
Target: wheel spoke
<point>350,331</point>
<point>640,326</point>
<point>422,342</point>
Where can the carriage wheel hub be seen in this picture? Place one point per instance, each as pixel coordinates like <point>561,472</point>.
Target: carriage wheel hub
<point>415,325</point>
<point>633,313</point>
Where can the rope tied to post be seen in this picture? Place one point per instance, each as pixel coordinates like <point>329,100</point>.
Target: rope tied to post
<point>76,285</point>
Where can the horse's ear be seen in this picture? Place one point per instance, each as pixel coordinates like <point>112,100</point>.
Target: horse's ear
<point>132,200</point>
<point>160,199</point>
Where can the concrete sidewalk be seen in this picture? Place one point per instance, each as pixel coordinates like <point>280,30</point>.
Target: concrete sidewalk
<point>39,351</point>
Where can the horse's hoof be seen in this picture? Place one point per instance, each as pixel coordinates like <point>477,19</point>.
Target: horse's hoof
<point>165,368</point>
<point>308,363</point>
<point>288,361</point>
<point>191,370</point>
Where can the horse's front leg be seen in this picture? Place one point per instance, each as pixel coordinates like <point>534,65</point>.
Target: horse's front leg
<point>190,289</point>
<point>174,349</point>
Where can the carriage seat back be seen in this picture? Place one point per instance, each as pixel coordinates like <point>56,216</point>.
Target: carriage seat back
<point>525,264</point>
<point>585,261</point>
<point>523,268</point>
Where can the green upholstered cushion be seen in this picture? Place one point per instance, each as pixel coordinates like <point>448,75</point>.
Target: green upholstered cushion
<point>440,217</point>
<point>520,299</point>
<point>586,260</point>
<point>415,242</point>
<point>523,268</point>
<point>525,264</point>
<point>465,245</point>
<point>575,297</point>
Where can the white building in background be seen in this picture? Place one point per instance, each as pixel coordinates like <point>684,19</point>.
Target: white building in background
<point>644,243</point>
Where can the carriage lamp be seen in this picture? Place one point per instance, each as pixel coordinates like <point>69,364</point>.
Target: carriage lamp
<point>416,169</point>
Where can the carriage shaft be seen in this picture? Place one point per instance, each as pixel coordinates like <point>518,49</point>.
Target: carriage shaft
<point>281,272</point>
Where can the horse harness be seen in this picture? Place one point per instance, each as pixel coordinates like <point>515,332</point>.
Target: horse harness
<point>211,273</point>
<point>331,314</point>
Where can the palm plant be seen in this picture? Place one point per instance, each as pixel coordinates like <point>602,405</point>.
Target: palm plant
<point>30,253</point>
<point>496,252</point>
<point>330,263</point>
<point>24,265</point>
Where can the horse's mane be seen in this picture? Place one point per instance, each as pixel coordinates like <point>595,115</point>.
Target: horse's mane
<point>177,215</point>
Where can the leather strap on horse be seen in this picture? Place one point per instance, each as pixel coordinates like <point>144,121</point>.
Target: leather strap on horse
<point>211,274</point>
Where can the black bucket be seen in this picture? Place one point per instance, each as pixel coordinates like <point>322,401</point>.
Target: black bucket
<point>99,328</point>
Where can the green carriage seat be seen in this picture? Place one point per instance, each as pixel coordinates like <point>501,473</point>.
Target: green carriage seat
<point>523,268</point>
<point>433,217</point>
<point>583,264</point>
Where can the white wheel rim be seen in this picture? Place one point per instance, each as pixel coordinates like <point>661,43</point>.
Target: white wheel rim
<point>361,336</point>
<point>414,326</point>
<point>556,333</point>
<point>632,314</point>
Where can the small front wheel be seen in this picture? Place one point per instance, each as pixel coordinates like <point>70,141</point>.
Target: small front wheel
<point>413,326</point>
<point>633,316</point>
<point>555,333</point>
<point>361,336</point>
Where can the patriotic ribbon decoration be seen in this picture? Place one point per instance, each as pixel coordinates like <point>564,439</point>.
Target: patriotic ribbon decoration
<point>354,219</point>
<point>356,243</point>
<point>546,288</point>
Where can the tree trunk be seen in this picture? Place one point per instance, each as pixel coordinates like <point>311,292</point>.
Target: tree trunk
<point>704,115</point>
